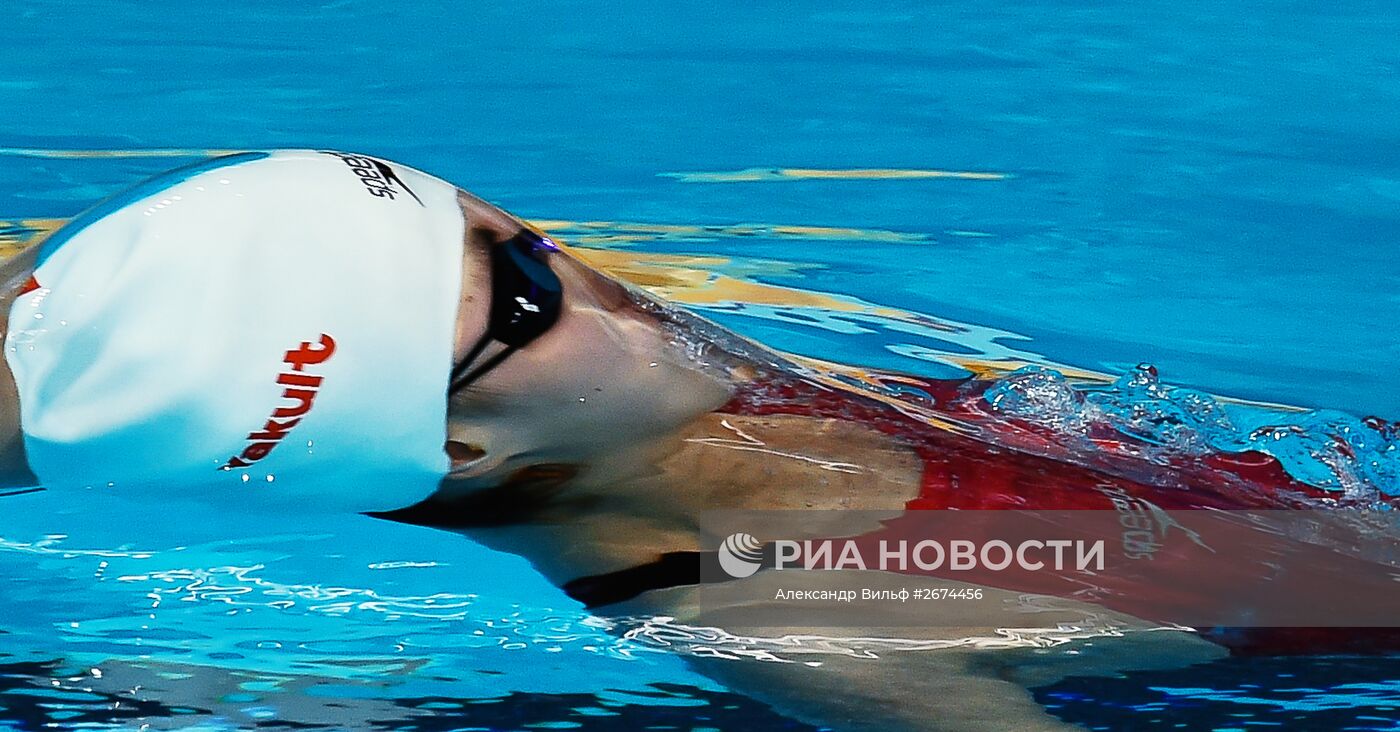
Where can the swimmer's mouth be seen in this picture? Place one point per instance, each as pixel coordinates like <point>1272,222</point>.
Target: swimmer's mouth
<point>526,297</point>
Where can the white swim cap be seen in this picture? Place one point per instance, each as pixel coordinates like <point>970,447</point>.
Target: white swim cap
<point>260,326</point>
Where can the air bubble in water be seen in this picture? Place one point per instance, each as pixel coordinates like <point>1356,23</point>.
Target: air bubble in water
<point>1359,458</point>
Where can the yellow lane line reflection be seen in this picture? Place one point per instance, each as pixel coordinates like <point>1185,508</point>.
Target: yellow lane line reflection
<point>613,232</point>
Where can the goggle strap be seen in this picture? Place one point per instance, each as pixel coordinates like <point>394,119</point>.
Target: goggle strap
<point>481,370</point>
<point>466,362</point>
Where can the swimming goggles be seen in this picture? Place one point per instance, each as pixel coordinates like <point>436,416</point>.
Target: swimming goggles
<point>526,297</point>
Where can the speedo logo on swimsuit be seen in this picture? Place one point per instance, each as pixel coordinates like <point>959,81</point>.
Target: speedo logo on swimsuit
<point>300,392</point>
<point>1145,525</point>
<point>378,178</point>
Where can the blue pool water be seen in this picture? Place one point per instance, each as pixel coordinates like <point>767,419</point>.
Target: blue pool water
<point>1211,188</point>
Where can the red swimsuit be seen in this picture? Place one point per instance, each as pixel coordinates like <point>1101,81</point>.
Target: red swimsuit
<point>995,463</point>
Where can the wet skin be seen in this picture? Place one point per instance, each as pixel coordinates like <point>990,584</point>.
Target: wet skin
<point>536,473</point>
<point>698,419</point>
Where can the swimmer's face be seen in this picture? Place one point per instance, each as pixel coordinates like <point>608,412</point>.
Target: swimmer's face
<point>603,377</point>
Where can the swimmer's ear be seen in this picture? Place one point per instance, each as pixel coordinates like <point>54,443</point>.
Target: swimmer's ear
<point>463,456</point>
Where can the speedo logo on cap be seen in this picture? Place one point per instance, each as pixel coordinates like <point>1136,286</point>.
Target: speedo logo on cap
<point>378,178</point>
<point>300,395</point>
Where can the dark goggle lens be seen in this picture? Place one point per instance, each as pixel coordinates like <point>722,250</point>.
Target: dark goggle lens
<point>525,293</point>
<point>526,297</point>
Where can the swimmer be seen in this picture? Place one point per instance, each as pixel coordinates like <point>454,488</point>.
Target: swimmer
<point>338,332</point>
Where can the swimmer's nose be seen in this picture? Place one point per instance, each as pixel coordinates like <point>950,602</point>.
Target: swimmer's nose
<point>463,454</point>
